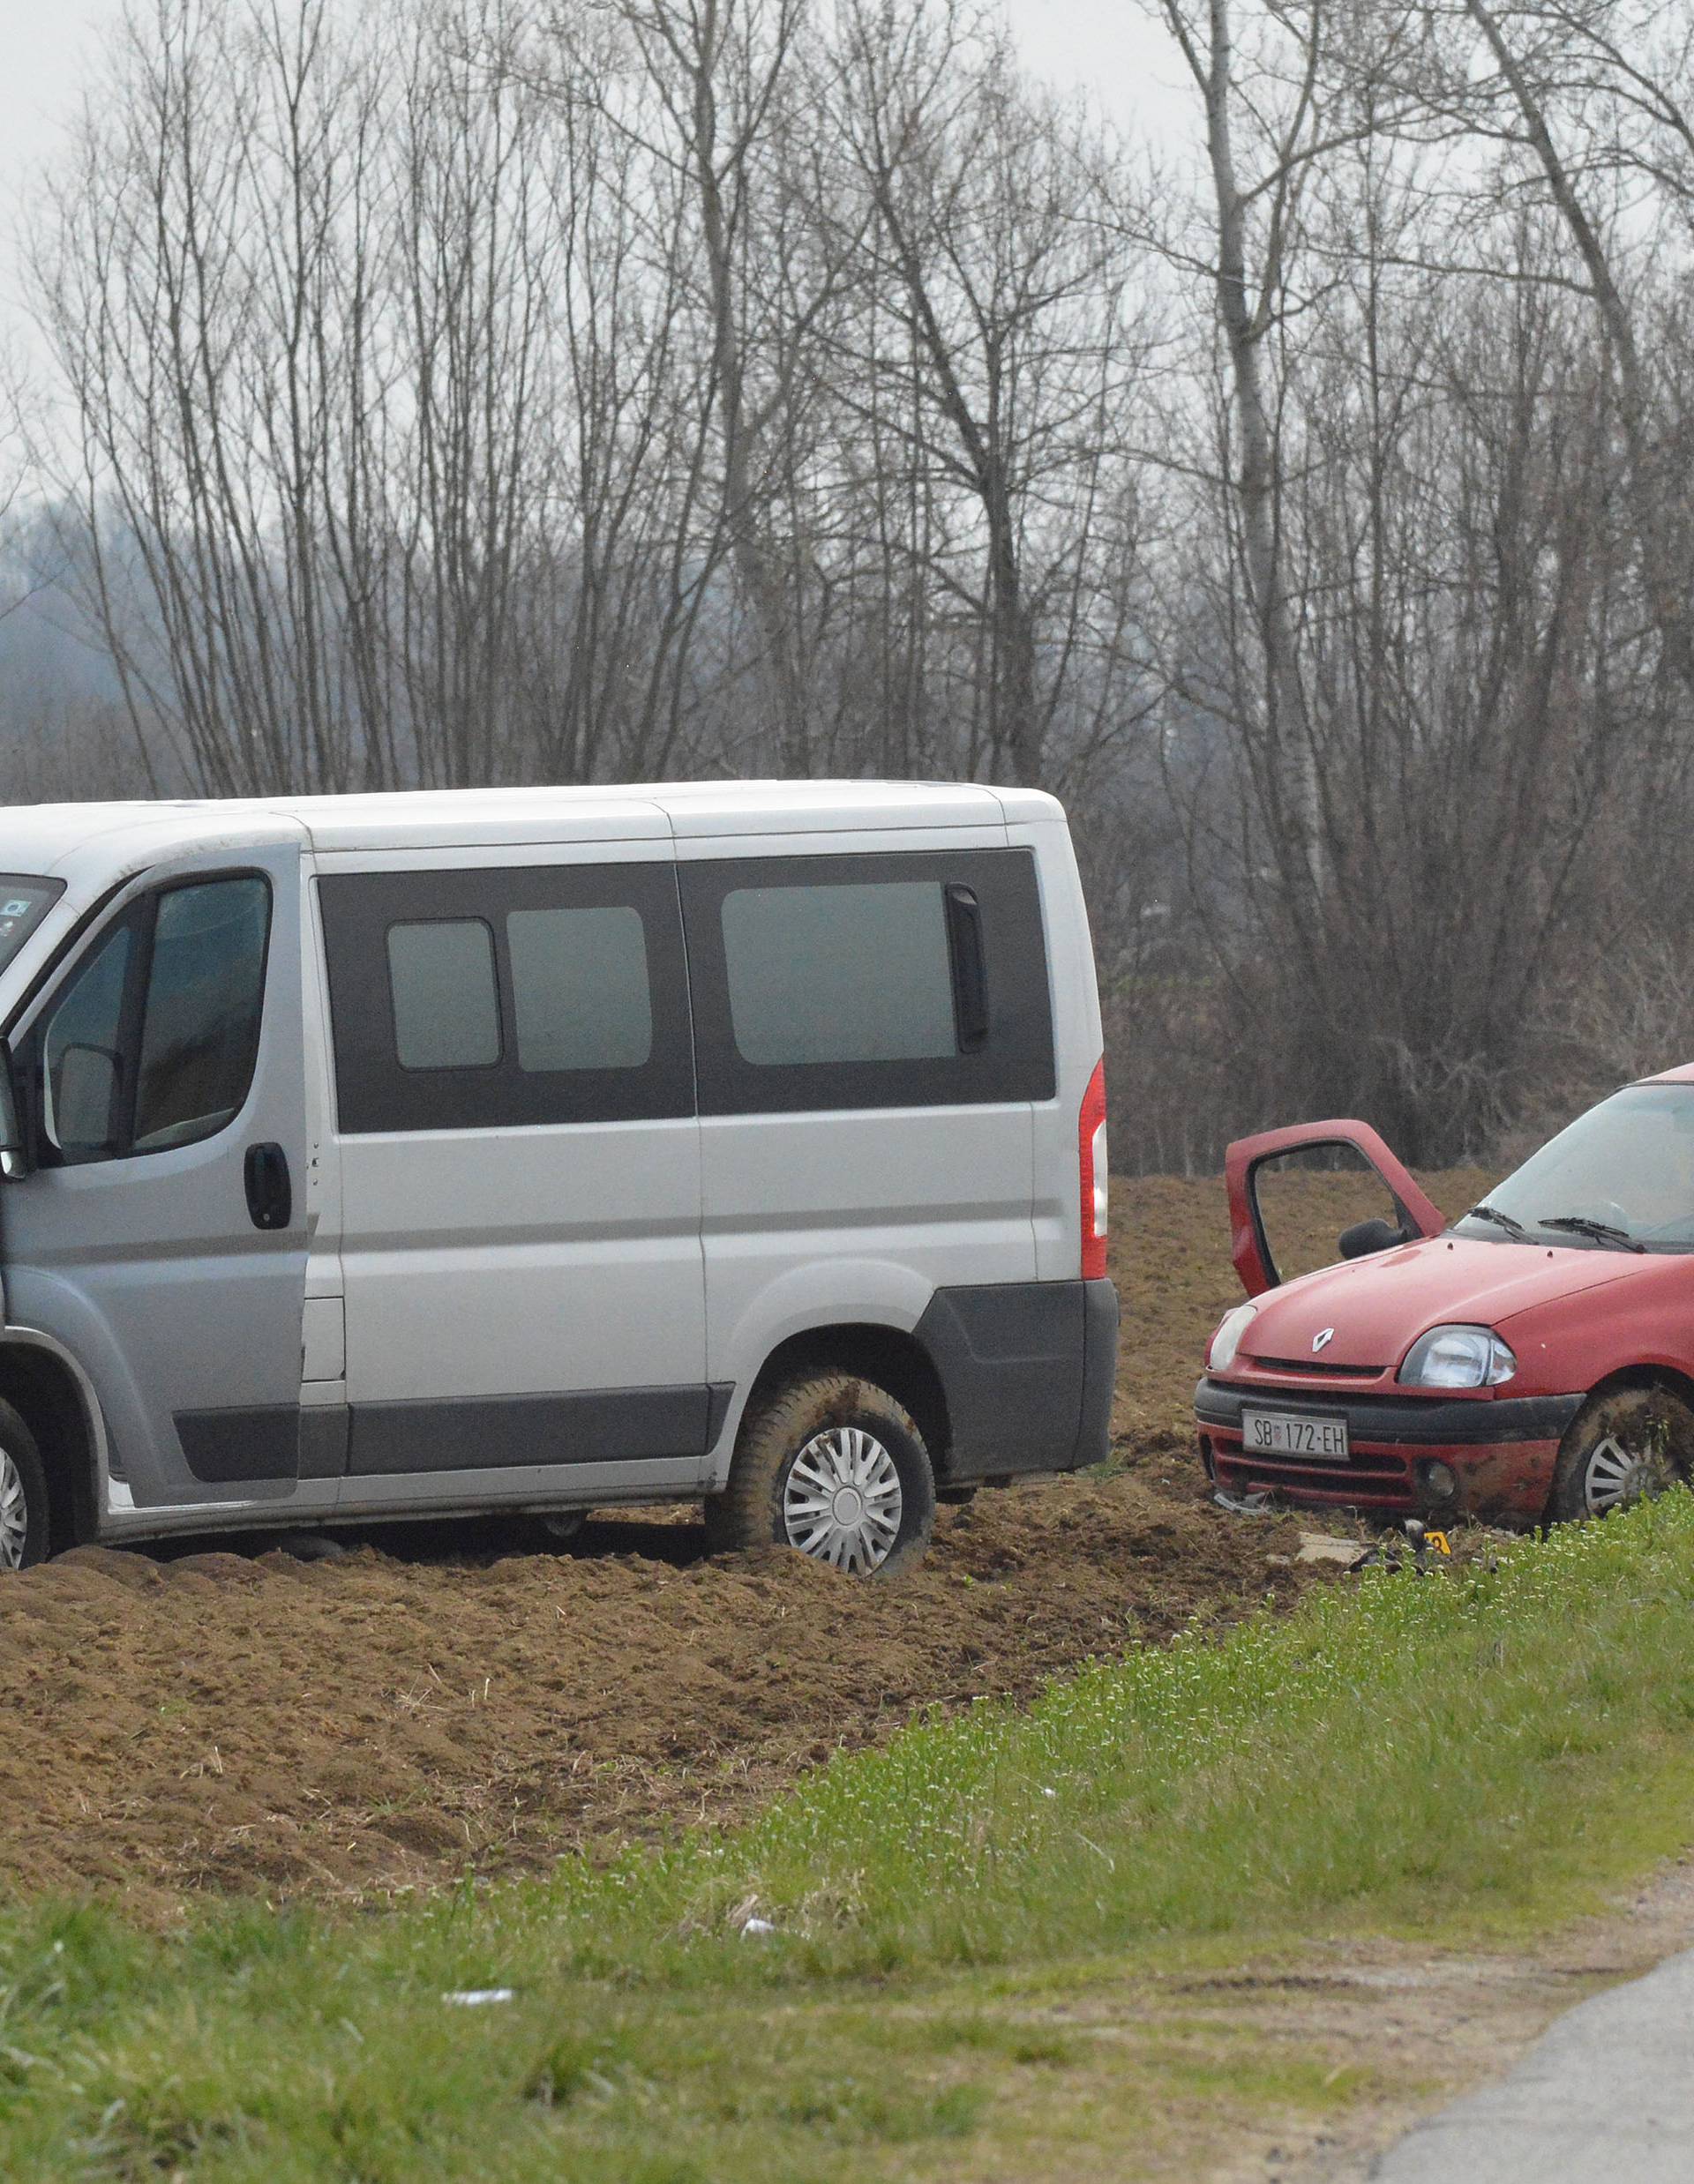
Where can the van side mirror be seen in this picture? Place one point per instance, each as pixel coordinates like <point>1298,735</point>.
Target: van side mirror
<point>85,1092</point>
<point>1366,1237</point>
<point>14,1142</point>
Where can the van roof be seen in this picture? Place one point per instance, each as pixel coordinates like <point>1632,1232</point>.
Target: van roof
<point>37,838</point>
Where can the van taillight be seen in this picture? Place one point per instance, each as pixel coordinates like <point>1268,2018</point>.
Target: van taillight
<point>1091,1158</point>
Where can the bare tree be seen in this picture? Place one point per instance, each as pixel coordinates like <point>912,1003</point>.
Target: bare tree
<point>182,285</point>
<point>490,390</point>
<point>15,463</point>
<point>1542,55</point>
<point>702,106</point>
<point>1013,375</point>
<point>1256,219</point>
<point>1411,545</point>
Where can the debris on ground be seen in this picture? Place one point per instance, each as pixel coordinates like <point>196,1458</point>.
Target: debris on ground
<point>1325,1547</point>
<point>1414,1547</point>
<point>1254,1504</point>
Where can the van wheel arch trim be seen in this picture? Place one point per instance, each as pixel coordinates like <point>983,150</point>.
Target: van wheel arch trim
<point>90,1492</point>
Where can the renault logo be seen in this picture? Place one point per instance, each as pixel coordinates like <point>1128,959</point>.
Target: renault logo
<point>1323,1339</point>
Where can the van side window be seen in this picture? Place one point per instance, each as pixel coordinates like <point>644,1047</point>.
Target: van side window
<point>579,989</point>
<point>914,979</point>
<point>492,997</point>
<point>205,991</point>
<point>446,1005</point>
<point>856,973</point>
<point>153,1041</point>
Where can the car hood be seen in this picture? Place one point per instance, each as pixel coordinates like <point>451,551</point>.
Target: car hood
<point>1379,1307</point>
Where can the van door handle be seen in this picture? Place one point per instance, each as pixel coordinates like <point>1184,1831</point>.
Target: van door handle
<point>270,1194</point>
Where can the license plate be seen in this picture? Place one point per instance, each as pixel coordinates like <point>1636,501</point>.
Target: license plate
<point>1271,1434</point>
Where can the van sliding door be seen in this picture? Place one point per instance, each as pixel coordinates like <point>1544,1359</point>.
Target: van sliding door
<point>520,1160</point>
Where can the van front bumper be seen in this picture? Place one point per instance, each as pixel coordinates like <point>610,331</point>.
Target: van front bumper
<point>1501,1452</point>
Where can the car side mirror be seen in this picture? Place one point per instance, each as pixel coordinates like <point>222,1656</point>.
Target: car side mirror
<point>14,1141</point>
<point>1366,1237</point>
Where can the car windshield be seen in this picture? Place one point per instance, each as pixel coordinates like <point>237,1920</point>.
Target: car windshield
<point>25,901</point>
<point>1622,1176</point>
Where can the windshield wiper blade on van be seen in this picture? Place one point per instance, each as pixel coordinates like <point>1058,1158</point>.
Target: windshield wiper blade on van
<point>1602,1231</point>
<point>1493,1213</point>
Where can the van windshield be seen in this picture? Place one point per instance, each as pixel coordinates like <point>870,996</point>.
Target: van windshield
<point>25,901</point>
<point>1622,1176</point>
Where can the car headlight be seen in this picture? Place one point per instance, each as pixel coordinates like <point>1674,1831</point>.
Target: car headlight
<point>1221,1350</point>
<point>1458,1357</point>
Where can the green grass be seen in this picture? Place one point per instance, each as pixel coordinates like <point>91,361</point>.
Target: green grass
<point>1466,1757</point>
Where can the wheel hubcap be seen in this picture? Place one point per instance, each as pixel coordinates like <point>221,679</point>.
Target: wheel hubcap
<point>14,1516</point>
<point>842,1501</point>
<point>1616,1476</point>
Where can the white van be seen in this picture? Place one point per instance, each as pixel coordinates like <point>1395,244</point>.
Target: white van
<point>379,1156</point>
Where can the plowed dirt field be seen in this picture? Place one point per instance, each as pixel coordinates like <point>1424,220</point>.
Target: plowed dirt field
<point>471,1696</point>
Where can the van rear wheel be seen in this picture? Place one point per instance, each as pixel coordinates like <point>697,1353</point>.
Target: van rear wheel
<point>1621,1448</point>
<point>24,1512</point>
<point>833,1466</point>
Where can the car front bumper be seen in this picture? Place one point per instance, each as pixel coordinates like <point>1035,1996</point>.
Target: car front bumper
<point>1501,1452</point>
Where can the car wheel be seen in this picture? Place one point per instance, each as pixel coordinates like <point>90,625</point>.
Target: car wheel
<point>25,1514</point>
<point>833,1466</point>
<point>1622,1448</point>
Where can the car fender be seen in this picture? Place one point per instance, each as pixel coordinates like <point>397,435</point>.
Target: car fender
<point>1578,1342</point>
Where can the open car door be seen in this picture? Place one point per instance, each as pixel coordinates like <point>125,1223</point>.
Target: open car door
<point>1247,1158</point>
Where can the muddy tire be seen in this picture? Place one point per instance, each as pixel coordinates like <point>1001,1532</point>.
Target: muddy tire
<point>1621,1448</point>
<point>26,1513</point>
<point>834,1466</point>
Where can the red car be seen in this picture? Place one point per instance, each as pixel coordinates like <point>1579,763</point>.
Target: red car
<point>1531,1361</point>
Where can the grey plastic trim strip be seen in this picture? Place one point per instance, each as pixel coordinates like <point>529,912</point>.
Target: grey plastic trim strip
<point>1100,1313</point>
<point>228,1447</point>
<point>505,1432</point>
<point>323,1439</point>
<point>1026,1369</point>
<point>486,1433</point>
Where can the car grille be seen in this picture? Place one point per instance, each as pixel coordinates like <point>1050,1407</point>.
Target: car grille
<point>1315,1368</point>
<point>1370,1479</point>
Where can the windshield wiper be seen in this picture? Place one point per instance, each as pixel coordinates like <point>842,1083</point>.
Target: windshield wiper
<point>1602,1231</point>
<point>1493,1213</point>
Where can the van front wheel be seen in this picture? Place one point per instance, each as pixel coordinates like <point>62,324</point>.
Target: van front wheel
<point>24,1517</point>
<point>834,1466</point>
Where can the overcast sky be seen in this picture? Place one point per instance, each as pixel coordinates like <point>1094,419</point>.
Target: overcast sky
<point>1107,47</point>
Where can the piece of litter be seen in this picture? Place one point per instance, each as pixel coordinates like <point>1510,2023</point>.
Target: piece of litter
<point>757,1926</point>
<point>1048,1793</point>
<point>1324,1547</point>
<point>1243,1504</point>
<point>479,1997</point>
